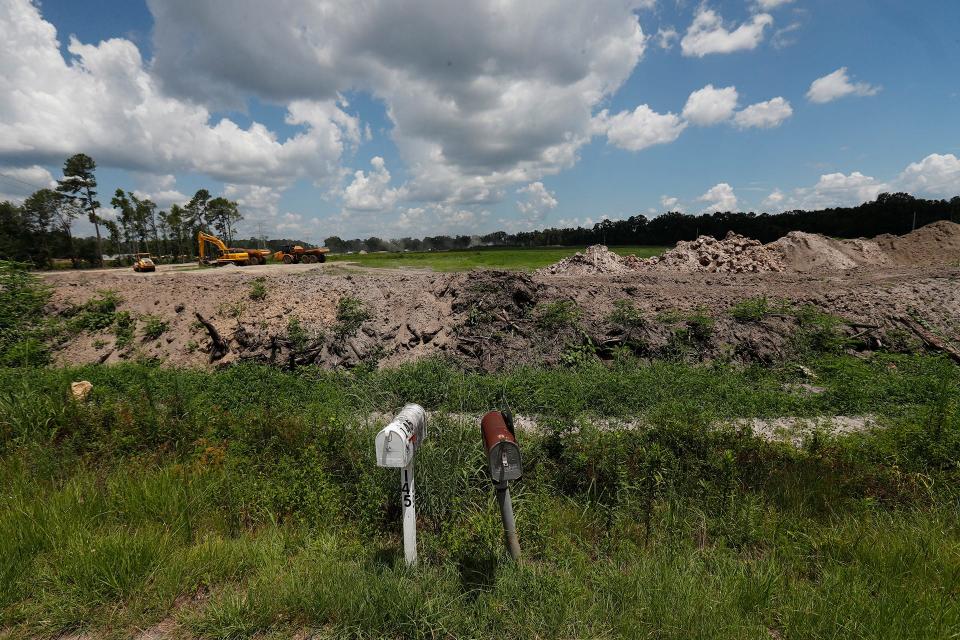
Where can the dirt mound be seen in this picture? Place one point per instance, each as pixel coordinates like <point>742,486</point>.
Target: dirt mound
<point>936,243</point>
<point>595,259</point>
<point>800,251</point>
<point>490,319</point>
<point>733,254</point>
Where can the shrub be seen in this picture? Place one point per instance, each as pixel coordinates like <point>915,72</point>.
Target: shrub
<point>351,314</point>
<point>752,309</point>
<point>819,332</point>
<point>296,334</point>
<point>154,327</point>
<point>97,313</point>
<point>554,316</point>
<point>123,328</point>
<point>22,298</point>
<point>626,316</point>
<point>258,289</point>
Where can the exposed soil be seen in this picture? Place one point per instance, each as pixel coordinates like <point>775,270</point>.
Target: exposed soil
<point>937,243</point>
<point>493,319</point>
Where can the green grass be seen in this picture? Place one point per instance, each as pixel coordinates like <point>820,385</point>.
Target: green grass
<point>247,502</point>
<point>511,258</point>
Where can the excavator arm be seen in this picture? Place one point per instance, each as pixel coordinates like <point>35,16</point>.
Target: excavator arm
<point>203,238</point>
<point>236,256</point>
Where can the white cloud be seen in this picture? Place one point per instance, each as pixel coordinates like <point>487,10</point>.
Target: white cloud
<point>161,189</point>
<point>104,101</point>
<point>258,199</point>
<point>709,106</point>
<point>16,183</point>
<point>837,85</point>
<point>707,34</point>
<point>767,5</point>
<point>666,37</point>
<point>719,197</point>
<point>538,201</point>
<point>764,115</point>
<point>371,191</point>
<point>670,203</point>
<point>783,38</point>
<point>854,188</point>
<point>479,99</point>
<point>775,199</point>
<point>641,128</point>
<point>936,176</point>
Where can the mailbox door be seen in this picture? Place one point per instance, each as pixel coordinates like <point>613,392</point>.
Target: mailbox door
<point>393,447</point>
<point>505,462</point>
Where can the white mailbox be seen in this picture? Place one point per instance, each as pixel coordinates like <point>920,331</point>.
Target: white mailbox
<point>397,442</point>
<point>395,446</point>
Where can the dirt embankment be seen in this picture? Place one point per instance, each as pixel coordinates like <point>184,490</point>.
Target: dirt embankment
<point>496,319</point>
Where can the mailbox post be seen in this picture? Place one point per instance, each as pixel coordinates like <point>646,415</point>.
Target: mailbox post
<point>396,444</point>
<point>504,465</point>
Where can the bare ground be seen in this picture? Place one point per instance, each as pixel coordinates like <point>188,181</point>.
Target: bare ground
<point>490,319</point>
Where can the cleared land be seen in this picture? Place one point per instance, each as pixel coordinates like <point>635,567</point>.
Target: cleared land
<point>487,258</point>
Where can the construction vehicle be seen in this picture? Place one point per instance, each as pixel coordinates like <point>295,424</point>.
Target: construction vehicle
<point>294,254</point>
<point>258,256</point>
<point>143,262</point>
<point>239,257</point>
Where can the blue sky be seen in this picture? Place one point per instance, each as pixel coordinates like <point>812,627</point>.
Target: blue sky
<point>469,119</point>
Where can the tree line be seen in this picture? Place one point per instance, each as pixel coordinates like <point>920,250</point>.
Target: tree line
<point>896,213</point>
<point>41,228</point>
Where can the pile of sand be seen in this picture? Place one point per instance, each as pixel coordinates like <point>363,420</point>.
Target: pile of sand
<point>937,243</point>
<point>801,251</point>
<point>595,259</point>
<point>733,254</point>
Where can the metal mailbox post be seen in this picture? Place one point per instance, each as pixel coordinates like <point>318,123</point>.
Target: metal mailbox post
<point>504,464</point>
<point>396,445</point>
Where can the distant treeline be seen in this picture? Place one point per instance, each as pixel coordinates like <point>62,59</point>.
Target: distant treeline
<point>895,213</point>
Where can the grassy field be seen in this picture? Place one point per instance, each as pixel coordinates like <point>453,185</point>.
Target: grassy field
<point>246,502</point>
<point>514,258</point>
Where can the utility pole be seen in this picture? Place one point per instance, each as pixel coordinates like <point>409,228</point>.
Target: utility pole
<point>260,235</point>
<point>914,227</point>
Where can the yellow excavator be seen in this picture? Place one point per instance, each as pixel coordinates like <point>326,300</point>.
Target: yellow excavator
<point>239,257</point>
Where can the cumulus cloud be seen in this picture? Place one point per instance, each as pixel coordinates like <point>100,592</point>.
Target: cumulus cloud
<point>161,189</point>
<point>767,5</point>
<point>666,37</point>
<point>371,191</point>
<point>670,203</point>
<point>708,34</point>
<point>936,175</point>
<point>775,199</point>
<point>105,102</point>
<point>478,98</point>
<point>764,115</point>
<point>838,85</point>
<point>16,183</point>
<point>638,129</point>
<point>719,197</point>
<point>537,202</point>
<point>709,106</point>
